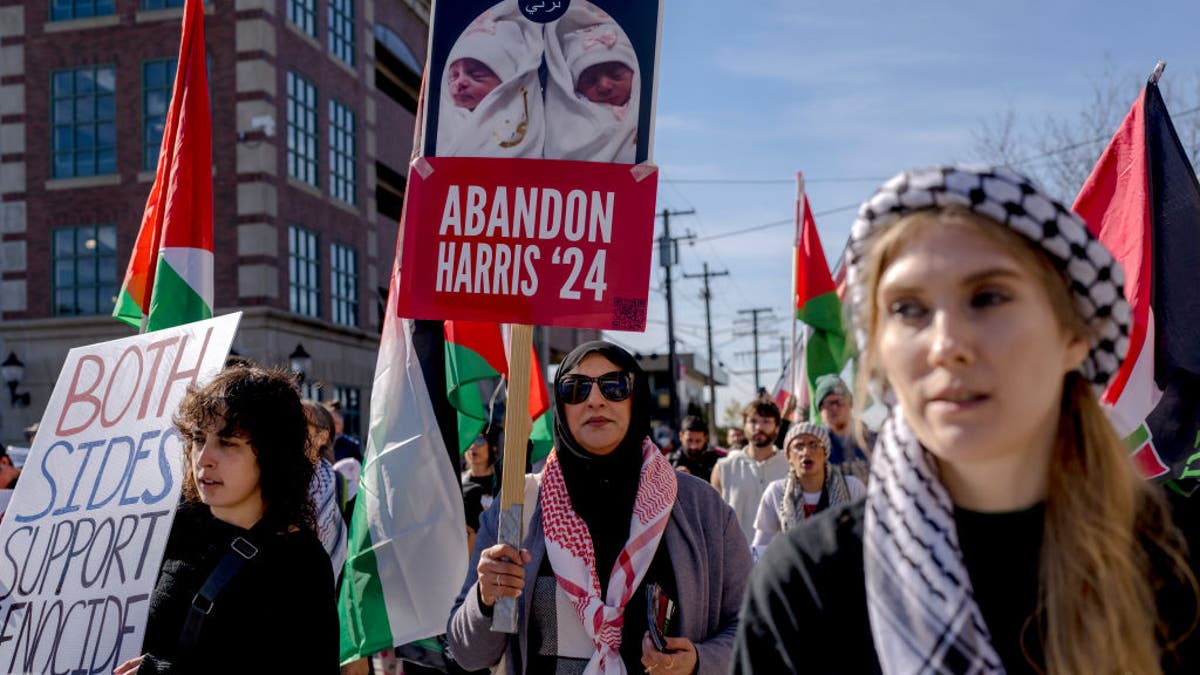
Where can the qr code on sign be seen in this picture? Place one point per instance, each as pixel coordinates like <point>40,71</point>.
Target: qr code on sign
<point>628,314</point>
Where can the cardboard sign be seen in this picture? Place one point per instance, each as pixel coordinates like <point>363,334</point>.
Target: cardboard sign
<point>555,243</point>
<point>82,538</point>
<point>534,200</point>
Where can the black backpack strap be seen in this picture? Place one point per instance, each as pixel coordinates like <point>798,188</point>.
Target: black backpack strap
<point>241,551</point>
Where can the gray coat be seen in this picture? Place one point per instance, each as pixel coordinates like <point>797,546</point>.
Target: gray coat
<point>708,554</point>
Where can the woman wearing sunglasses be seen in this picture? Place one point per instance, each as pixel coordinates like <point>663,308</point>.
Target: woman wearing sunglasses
<point>1004,528</point>
<point>612,519</point>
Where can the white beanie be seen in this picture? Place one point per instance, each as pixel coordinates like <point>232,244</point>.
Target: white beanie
<point>499,45</point>
<point>599,43</point>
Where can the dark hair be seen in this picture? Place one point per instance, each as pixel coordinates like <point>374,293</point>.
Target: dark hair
<point>762,409</point>
<point>319,417</point>
<point>694,423</point>
<point>264,406</point>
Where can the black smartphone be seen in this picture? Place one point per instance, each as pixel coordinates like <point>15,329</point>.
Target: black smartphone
<point>659,611</point>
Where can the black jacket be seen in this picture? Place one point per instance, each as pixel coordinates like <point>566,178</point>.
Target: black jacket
<point>277,615</point>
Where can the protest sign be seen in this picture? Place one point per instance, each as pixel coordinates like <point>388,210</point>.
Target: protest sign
<point>84,533</point>
<point>533,201</point>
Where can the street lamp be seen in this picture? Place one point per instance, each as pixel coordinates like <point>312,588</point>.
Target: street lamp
<point>300,361</point>
<point>12,370</point>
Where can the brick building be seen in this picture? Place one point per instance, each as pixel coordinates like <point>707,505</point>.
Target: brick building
<point>313,107</point>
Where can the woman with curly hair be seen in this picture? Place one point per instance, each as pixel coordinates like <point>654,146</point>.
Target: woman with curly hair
<point>245,585</point>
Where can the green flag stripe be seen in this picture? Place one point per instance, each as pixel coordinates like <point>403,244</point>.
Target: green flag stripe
<point>365,627</point>
<point>465,367</point>
<point>823,313</point>
<point>175,301</point>
<point>128,311</point>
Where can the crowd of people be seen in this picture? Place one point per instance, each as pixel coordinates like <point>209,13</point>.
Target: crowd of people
<point>993,524</point>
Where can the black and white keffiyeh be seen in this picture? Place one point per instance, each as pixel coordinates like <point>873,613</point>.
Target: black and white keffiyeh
<point>923,614</point>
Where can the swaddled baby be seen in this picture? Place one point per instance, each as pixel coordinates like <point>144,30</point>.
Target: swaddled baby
<point>491,100</point>
<point>593,90</point>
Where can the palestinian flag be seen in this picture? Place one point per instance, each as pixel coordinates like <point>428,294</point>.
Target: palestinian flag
<point>478,350</point>
<point>407,546</point>
<point>170,276</point>
<point>817,302</point>
<point>1142,200</point>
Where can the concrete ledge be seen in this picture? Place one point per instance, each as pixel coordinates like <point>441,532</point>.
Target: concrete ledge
<point>254,35</point>
<point>12,60</point>
<point>257,198</point>
<point>83,24</point>
<point>12,256</point>
<point>12,217</point>
<point>12,21</point>
<point>305,187</point>
<point>257,239</point>
<point>12,138</point>
<point>12,295</point>
<point>83,182</point>
<point>256,75</point>
<point>12,177</point>
<point>258,281</point>
<point>12,100</point>
<point>257,157</point>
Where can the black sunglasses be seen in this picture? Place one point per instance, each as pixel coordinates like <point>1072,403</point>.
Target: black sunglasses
<point>615,386</point>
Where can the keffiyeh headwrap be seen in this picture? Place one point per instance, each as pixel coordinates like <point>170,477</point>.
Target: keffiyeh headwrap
<point>923,614</point>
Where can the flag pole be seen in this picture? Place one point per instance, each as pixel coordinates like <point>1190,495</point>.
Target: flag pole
<point>794,367</point>
<point>517,425</point>
<point>1156,74</point>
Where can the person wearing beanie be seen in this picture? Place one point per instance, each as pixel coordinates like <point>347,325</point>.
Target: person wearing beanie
<point>593,89</point>
<point>490,103</point>
<point>741,477</point>
<point>695,455</point>
<point>811,486</point>
<point>836,405</point>
<point>1005,529</point>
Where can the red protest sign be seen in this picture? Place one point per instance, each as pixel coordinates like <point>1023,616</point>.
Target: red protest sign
<point>545,242</point>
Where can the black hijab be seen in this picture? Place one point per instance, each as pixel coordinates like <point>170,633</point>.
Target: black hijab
<point>603,488</point>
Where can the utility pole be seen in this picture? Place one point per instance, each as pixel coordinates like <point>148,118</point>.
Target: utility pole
<point>754,331</point>
<point>712,387</point>
<point>668,250</point>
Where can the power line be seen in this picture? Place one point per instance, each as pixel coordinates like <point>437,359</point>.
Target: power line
<point>777,223</point>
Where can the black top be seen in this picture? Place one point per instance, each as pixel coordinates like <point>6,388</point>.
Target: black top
<point>278,615</point>
<point>806,603</point>
<point>700,466</point>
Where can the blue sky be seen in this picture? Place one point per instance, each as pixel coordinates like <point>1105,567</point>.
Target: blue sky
<point>860,90</point>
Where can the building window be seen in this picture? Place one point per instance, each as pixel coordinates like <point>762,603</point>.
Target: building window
<point>158,80</point>
<point>85,270</point>
<point>341,29</point>
<point>304,267</point>
<point>343,284</point>
<point>351,410</point>
<point>161,4</point>
<point>83,116</point>
<point>61,10</point>
<point>303,13</point>
<point>302,129</point>
<point>342,159</point>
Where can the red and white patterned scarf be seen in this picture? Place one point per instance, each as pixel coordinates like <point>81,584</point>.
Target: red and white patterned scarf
<point>569,546</point>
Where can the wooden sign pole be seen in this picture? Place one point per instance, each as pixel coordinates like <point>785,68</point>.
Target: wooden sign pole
<point>516,441</point>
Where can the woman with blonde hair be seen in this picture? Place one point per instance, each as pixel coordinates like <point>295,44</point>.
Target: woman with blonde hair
<point>1005,529</point>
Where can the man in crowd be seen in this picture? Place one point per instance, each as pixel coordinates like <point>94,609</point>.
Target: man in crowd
<point>695,456</point>
<point>9,472</point>
<point>741,477</point>
<point>343,446</point>
<point>735,439</point>
<point>836,406</point>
